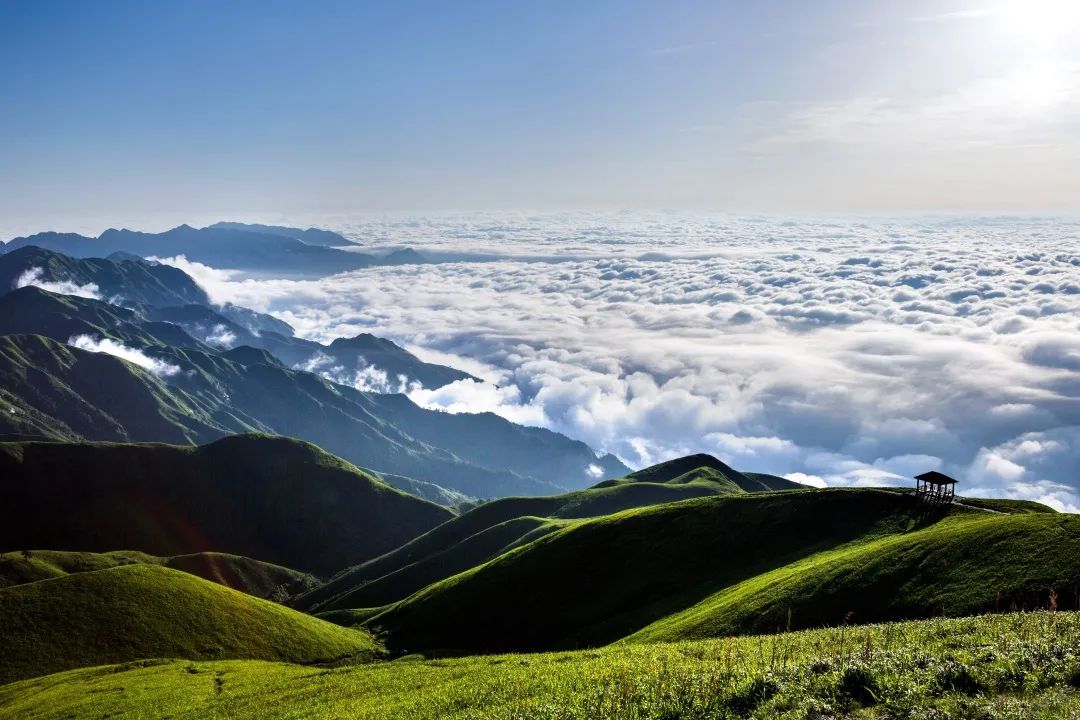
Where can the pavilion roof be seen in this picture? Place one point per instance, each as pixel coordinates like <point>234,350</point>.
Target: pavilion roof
<point>935,478</point>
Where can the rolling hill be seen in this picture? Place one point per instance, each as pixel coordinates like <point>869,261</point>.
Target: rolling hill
<point>140,612</point>
<point>737,563</point>
<point>489,529</point>
<point>283,501</point>
<point>254,577</point>
<point>963,565</point>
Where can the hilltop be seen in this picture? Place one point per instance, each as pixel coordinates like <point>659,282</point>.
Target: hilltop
<point>279,500</point>
<point>140,612</point>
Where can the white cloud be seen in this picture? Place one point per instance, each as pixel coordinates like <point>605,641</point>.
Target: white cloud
<point>216,282</point>
<point>33,276</point>
<point>853,351</point>
<point>132,355</point>
<point>470,396</point>
<point>1039,466</point>
<point>221,336</point>
<point>363,377</point>
<point>811,480</point>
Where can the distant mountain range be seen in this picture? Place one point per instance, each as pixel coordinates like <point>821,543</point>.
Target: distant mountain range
<point>188,373</point>
<point>312,236</point>
<point>285,252</point>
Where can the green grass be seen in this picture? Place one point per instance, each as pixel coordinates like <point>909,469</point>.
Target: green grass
<point>961,565</point>
<point>736,564</point>
<point>135,612</point>
<point>1007,667</point>
<point>492,528</point>
<point>487,543</point>
<point>1008,506</point>
<point>253,577</point>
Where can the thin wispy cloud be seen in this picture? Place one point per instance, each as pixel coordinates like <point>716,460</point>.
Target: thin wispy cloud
<point>976,13</point>
<point>683,49</point>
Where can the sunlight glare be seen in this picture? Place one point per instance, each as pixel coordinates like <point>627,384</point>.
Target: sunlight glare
<point>1044,23</point>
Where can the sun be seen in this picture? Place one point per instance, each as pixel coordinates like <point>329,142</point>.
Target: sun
<point>1045,24</point>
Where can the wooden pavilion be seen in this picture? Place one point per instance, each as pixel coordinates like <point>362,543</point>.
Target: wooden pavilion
<point>935,487</point>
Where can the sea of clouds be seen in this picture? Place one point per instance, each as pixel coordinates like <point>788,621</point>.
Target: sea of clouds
<point>832,352</point>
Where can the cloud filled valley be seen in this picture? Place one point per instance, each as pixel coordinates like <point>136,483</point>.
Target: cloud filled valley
<point>840,353</point>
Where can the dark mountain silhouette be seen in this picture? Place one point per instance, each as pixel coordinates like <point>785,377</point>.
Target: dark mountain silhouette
<point>312,236</point>
<point>280,500</point>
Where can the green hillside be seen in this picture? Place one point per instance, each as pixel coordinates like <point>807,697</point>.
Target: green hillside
<point>280,500</point>
<point>53,391</point>
<point>961,565</point>
<point>742,556</point>
<point>136,612</point>
<point>494,527</point>
<point>253,577</point>
<point>1007,667</point>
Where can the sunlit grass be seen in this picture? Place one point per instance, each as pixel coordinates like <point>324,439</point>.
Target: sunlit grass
<point>1003,666</point>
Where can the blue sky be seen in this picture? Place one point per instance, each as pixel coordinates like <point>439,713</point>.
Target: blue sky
<point>189,109</point>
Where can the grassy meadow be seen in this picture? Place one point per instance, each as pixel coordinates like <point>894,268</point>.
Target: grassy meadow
<point>1018,666</point>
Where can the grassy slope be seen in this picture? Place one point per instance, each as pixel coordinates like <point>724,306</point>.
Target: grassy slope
<point>759,553</point>
<point>253,577</point>
<point>277,499</point>
<point>469,539</point>
<point>962,565</point>
<point>144,611</point>
<point>635,567</point>
<point>471,551</point>
<point>969,668</point>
